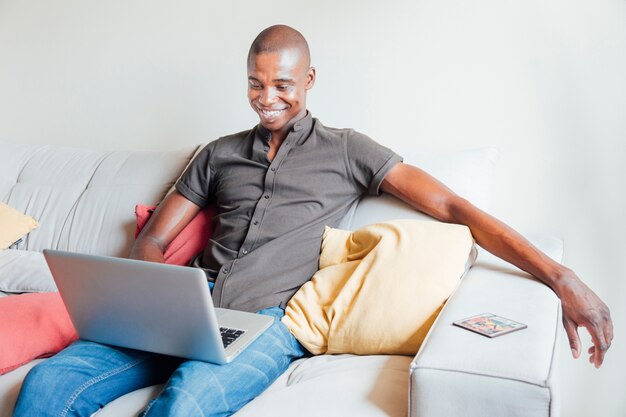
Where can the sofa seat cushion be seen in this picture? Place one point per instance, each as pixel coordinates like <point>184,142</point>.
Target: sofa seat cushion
<point>327,385</point>
<point>337,385</point>
<point>24,271</point>
<point>10,384</point>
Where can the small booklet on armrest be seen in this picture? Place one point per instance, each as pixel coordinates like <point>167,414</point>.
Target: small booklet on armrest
<point>489,325</point>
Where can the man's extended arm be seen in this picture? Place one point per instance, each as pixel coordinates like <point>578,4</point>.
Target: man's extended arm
<point>170,217</point>
<point>581,306</point>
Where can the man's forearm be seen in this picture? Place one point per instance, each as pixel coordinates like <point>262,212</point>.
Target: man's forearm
<point>147,249</point>
<point>170,217</point>
<point>506,243</point>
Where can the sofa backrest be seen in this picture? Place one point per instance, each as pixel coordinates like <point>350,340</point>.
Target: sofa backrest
<point>469,173</point>
<point>84,199</point>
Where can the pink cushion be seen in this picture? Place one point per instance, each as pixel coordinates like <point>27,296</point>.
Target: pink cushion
<point>189,242</point>
<point>38,325</point>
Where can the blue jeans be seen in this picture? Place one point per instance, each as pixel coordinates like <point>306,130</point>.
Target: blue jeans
<point>86,376</point>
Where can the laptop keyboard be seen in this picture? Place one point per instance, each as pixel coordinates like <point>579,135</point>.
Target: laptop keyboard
<point>230,335</point>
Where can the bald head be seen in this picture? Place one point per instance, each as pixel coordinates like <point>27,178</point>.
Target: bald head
<point>279,38</point>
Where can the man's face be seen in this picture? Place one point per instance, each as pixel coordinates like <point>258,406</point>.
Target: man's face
<point>277,86</point>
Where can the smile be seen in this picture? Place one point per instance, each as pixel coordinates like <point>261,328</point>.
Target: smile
<point>270,114</point>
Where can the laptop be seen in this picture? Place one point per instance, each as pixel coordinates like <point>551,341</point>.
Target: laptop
<point>150,306</point>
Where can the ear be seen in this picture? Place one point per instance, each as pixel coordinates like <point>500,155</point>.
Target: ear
<point>310,78</point>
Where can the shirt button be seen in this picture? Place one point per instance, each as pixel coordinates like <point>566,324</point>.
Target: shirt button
<point>244,251</point>
<point>255,222</point>
<point>273,169</point>
<point>225,270</point>
<point>266,196</point>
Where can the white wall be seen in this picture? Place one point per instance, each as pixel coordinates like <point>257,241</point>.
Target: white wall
<point>543,81</point>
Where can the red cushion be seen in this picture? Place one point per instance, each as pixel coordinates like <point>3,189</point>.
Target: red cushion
<point>38,325</point>
<point>189,242</point>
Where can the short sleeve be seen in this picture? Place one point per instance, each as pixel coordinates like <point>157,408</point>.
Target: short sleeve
<point>195,183</point>
<point>369,161</point>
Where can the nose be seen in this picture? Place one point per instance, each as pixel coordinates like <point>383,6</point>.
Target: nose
<point>267,96</point>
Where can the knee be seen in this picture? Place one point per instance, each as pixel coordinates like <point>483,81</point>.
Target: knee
<point>39,392</point>
<point>43,377</point>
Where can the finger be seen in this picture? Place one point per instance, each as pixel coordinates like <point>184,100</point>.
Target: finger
<point>598,355</point>
<point>599,343</point>
<point>592,354</point>
<point>606,336</point>
<point>572,336</point>
<point>600,350</point>
<point>608,331</point>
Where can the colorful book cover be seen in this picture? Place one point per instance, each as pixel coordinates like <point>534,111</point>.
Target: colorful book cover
<point>490,325</point>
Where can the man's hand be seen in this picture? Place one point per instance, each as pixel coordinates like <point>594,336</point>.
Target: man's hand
<point>583,308</point>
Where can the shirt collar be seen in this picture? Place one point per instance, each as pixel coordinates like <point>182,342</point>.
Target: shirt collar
<point>301,126</point>
<point>304,124</point>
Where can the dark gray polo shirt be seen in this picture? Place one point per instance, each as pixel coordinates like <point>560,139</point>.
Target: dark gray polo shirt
<point>271,215</point>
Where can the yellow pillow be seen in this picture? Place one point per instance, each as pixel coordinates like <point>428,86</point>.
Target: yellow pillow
<point>379,288</point>
<point>13,225</point>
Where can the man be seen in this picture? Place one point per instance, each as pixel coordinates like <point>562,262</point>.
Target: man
<point>276,187</point>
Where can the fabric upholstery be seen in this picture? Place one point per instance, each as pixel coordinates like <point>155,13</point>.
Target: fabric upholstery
<point>10,384</point>
<point>337,386</point>
<point>84,199</point>
<point>520,363</point>
<point>468,173</point>
<point>24,271</point>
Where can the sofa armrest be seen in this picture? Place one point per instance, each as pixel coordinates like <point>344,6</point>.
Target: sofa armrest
<point>458,372</point>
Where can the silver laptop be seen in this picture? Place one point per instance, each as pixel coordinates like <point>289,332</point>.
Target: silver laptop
<point>149,306</point>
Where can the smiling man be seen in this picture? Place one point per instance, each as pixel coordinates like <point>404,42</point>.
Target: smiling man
<point>276,186</point>
<point>279,75</point>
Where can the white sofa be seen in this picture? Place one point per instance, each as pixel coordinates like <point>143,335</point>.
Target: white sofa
<point>84,200</point>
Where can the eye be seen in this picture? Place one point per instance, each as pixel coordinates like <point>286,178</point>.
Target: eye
<point>282,87</point>
<point>254,85</point>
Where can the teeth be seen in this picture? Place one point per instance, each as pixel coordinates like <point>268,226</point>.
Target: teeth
<point>271,113</point>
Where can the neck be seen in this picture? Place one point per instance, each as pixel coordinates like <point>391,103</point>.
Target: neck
<point>278,136</point>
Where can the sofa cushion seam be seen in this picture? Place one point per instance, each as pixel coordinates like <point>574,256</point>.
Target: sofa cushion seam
<point>72,211</point>
<point>478,374</point>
